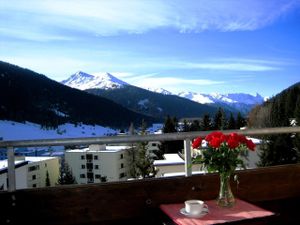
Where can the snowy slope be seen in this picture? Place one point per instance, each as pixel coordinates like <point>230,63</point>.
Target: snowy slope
<point>10,130</point>
<point>158,90</point>
<point>83,81</point>
<point>197,97</point>
<point>230,99</point>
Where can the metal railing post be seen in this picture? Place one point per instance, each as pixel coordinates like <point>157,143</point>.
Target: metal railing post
<point>11,169</point>
<point>187,157</point>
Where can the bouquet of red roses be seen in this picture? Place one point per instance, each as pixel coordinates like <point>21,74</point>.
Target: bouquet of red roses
<point>223,152</point>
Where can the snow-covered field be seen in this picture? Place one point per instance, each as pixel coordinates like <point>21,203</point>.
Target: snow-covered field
<point>10,130</point>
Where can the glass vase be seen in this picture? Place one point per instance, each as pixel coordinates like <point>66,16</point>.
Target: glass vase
<point>225,198</point>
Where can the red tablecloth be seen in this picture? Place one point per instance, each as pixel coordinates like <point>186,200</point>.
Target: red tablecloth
<point>240,211</point>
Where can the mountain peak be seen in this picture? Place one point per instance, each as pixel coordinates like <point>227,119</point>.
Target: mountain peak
<point>83,81</point>
<point>158,90</point>
<point>239,101</point>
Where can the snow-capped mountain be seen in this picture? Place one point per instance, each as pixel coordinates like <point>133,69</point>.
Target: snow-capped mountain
<point>105,81</point>
<point>158,90</point>
<point>83,81</point>
<point>233,98</point>
<point>239,101</point>
<point>197,97</point>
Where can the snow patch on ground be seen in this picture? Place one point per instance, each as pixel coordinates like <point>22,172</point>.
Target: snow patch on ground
<point>10,130</point>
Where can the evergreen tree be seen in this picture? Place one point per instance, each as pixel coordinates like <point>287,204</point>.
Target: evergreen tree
<point>220,120</point>
<point>48,184</point>
<point>170,126</point>
<point>240,121</point>
<point>297,118</point>
<point>279,149</point>
<point>186,126</point>
<point>131,130</point>
<point>132,158</point>
<point>206,123</point>
<point>65,174</point>
<point>231,122</point>
<point>143,163</point>
<point>195,126</point>
<point>132,155</point>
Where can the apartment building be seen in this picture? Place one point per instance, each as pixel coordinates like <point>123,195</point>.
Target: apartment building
<point>98,163</point>
<point>31,172</point>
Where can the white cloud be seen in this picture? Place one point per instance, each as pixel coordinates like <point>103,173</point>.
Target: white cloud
<point>233,64</point>
<point>172,84</point>
<point>112,17</point>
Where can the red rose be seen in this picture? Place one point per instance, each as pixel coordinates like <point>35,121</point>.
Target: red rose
<point>234,136</point>
<point>250,145</point>
<point>197,142</point>
<point>232,143</point>
<point>215,142</point>
<point>214,134</point>
<point>224,138</point>
<point>243,139</point>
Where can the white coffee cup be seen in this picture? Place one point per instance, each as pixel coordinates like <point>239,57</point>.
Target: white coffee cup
<point>195,207</point>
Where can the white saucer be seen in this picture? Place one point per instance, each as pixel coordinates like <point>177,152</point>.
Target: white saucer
<point>203,213</point>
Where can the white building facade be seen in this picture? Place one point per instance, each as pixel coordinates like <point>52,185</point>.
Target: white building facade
<point>98,163</point>
<point>173,165</point>
<point>31,172</point>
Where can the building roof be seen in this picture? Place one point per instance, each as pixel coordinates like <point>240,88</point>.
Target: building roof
<point>115,148</point>
<point>21,162</point>
<point>170,159</point>
<point>18,164</point>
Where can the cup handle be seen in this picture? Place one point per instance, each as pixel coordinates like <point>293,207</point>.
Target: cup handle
<point>205,208</point>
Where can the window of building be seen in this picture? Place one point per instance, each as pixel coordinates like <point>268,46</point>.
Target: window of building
<point>82,157</point>
<point>82,166</point>
<point>90,175</point>
<point>82,175</point>
<point>33,168</point>
<point>89,166</point>
<point>97,176</point>
<point>33,177</point>
<point>89,156</point>
<point>45,164</point>
<point>121,156</point>
<point>95,157</point>
<point>122,165</point>
<point>96,167</point>
<point>122,175</point>
<point>34,185</point>
<point>153,144</point>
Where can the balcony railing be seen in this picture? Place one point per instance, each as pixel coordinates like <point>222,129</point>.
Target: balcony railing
<point>186,136</point>
<point>274,188</point>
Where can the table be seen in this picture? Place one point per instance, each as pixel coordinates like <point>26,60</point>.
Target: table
<point>242,211</point>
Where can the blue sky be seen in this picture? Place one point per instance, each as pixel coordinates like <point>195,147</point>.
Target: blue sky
<point>203,46</point>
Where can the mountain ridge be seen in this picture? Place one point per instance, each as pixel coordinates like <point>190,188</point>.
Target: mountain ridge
<point>232,101</point>
<point>28,96</point>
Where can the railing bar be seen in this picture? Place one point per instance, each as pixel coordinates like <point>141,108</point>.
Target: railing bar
<point>187,157</point>
<point>141,138</point>
<point>11,169</point>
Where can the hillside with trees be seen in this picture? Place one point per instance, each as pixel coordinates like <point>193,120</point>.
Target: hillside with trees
<point>281,110</point>
<point>156,104</point>
<point>29,96</point>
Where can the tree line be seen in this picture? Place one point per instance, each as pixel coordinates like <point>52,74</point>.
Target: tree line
<point>282,110</point>
<point>219,121</point>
